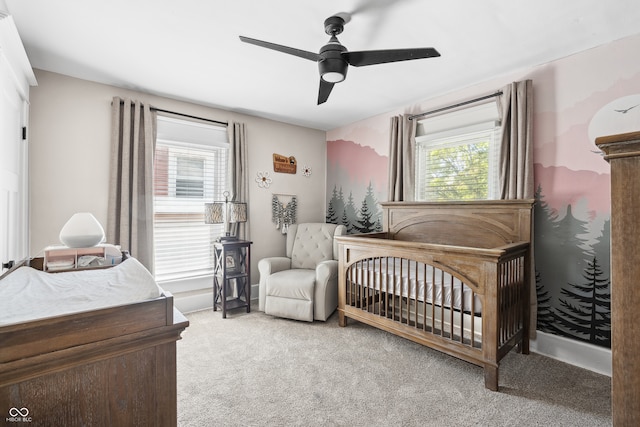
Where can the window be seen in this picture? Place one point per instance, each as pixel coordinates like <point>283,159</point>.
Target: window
<point>457,155</point>
<point>190,176</point>
<point>190,168</point>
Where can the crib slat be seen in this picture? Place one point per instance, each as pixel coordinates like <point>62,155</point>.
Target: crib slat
<point>386,287</point>
<point>367,289</point>
<point>424,299</point>
<point>473,318</point>
<point>349,284</point>
<point>400,296</point>
<point>461,314</point>
<point>441,303</point>
<point>433,300</point>
<point>415,295</point>
<point>375,281</point>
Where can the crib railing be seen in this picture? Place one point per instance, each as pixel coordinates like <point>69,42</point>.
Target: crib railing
<point>512,297</point>
<point>403,290</point>
<point>434,301</point>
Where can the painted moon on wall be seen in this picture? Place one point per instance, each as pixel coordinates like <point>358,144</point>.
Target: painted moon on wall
<point>619,116</point>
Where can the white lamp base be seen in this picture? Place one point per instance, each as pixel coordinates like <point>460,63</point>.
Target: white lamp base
<point>82,231</point>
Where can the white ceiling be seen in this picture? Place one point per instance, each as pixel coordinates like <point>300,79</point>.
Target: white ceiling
<point>190,50</point>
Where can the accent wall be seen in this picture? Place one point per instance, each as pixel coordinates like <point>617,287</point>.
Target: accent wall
<point>576,99</point>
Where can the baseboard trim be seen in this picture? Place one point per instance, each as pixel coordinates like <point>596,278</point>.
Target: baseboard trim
<point>188,302</point>
<point>577,353</point>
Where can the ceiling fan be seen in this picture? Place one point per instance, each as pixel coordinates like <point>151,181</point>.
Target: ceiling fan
<point>334,59</point>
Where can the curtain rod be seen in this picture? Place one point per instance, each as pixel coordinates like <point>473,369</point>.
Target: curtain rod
<point>183,115</point>
<point>450,107</point>
<point>190,116</point>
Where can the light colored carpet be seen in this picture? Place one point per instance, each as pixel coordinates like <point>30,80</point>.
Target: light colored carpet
<point>256,370</point>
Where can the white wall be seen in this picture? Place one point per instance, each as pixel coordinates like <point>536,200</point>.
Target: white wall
<point>70,150</point>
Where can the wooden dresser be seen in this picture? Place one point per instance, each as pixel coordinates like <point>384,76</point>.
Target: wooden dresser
<point>623,154</point>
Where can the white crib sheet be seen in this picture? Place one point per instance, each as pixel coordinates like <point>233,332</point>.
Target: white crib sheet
<point>29,294</point>
<point>384,272</point>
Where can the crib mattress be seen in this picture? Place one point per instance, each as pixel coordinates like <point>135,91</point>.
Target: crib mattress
<point>30,294</point>
<point>416,280</point>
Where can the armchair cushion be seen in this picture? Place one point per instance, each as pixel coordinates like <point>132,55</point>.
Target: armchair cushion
<point>313,243</point>
<point>290,294</point>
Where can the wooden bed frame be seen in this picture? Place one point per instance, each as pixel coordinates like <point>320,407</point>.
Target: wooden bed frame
<point>484,244</point>
<point>113,366</point>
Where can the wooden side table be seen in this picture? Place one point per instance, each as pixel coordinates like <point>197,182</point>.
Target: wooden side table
<point>232,275</point>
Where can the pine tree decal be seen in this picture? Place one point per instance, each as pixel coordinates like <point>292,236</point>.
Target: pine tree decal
<point>587,315</point>
<point>544,313</point>
<point>345,221</point>
<point>365,223</point>
<point>350,214</point>
<point>332,214</point>
<point>331,217</point>
<point>368,213</point>
<point>378,226</point>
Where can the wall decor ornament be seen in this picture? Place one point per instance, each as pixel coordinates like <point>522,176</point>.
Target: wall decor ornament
<point>284,164</point>
<point>306,171</point>
<point>284,211</point>
<point>263,180</point>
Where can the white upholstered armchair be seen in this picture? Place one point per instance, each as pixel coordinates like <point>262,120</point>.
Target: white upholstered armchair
<point>303,285</point>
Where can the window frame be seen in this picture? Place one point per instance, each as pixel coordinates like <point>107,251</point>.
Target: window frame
<point>455,129</point>
<point>182,218</point>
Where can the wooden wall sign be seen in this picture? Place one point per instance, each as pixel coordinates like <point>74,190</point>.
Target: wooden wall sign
<point>284,164</point>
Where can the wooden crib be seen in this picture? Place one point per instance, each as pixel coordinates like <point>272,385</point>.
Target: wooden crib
<point>451,276</point>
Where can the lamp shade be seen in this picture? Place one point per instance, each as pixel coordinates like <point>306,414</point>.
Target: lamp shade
<point>214,213</point>
<point>82,230</point>
<point>238,212</point>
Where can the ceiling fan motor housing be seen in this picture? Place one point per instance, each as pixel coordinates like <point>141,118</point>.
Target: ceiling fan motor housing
<point>333,67</point>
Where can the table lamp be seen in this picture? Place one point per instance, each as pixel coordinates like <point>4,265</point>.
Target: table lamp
<point>226,212</point>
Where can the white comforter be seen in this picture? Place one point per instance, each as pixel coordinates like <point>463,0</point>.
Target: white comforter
<point>29,294</point>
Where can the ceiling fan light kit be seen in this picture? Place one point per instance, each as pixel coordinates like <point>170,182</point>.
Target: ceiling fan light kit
<point>334,59</point>
<point>332,67</point>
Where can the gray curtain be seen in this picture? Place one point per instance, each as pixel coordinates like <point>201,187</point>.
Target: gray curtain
<point>401,159</point>
<point>130,205</point>
<point>516,151</point>
<point>516,158</point>
<point>239,174</point>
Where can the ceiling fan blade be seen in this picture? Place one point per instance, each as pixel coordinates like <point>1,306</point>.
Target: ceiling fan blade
<point>325,90</point>
<point>285,49</point>
<point>372,57</point>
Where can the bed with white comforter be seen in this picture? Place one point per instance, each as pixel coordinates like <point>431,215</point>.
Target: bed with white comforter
<point>29,294</point>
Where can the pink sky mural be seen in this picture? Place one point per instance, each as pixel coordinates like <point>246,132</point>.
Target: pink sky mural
<point>562,186</point>
<point>373,132</point>
<point>360,165</point>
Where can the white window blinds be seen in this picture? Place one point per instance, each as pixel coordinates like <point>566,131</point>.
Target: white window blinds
<point>190,169</point>
<point>457,155</point>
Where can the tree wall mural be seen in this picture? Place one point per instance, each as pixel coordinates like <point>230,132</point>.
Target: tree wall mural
<point>566,260</point>
<point>577,99</point>
<point>367,219</point>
